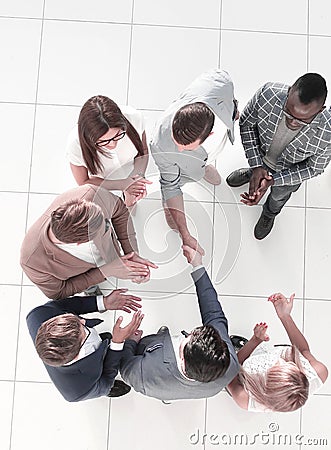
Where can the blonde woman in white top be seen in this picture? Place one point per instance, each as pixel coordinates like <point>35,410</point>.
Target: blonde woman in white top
<point>108,148</point>
<point>277,378</point>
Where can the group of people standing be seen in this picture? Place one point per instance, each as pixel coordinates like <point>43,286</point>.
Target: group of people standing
<point>86,236</point>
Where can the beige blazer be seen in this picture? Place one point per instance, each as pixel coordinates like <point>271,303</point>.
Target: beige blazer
<point>58,273</point>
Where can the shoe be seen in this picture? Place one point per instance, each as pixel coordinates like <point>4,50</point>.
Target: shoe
<point>238,341</point>
<point>106,335</point>
<point>212,176</point>
<point>263,227</point>
<point>119,389</point>
<point>239,177</point>
<point>93,290</point>
<point>163,329</point>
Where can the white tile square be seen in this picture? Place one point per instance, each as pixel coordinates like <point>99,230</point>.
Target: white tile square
<point>17,145</point>
<point>315,428</point>
<point>90,62</point>
<point>159,66</point>
<point>230,426</point>
<point>317,335</point>
<point>243,265</point>
<point>12,229</point>
<point>53,421</point>
<point>21,8</point>
<point>257,15</point>
<point>9,329</point>
<point>172,12</point>
<point>319,190</point>
<point>169,426</point>
<point>19,59</point>
<point>318,242</point>
<point>319,46</point>
<point>319,17</point>
<point>50,168</point>
<point>278,63</point>
<point>6,405</point>
<point>102,11</point>
<point>158,243</point>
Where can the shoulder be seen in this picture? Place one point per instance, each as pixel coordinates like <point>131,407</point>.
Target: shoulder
<point>270,91</point>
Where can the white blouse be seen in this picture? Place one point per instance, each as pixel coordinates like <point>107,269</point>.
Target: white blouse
<point>120,162</point>
<point>265,357</point>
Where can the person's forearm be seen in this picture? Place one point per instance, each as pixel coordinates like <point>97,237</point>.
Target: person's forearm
<point>140,165</point>
<point>177,211</point>
<point>248,349</point>
<point>110,185</point>
<point>294,334</point>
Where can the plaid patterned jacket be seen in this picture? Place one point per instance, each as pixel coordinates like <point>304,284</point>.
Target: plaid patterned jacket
<point>306,156</point>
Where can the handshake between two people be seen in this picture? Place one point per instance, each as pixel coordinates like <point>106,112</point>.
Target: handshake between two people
<point>259,183</point>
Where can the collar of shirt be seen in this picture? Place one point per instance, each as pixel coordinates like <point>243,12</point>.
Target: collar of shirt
<point>91,344</point>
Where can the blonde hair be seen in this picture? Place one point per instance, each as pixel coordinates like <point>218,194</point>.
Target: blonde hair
<point>283,388</point>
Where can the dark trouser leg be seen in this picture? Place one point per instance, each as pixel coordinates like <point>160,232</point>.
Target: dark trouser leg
<point>277,198</point>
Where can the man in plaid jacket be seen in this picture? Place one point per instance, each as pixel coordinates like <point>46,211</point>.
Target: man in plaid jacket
<point>286,134</point>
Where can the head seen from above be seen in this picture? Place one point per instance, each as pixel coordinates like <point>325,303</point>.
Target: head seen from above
<point>77,221</point>
<point>101,124</point>
<point>205,355</point>
<point>191,125</point>
<point>59,339</point>
<point>305,100</point>
<point>283,388</point>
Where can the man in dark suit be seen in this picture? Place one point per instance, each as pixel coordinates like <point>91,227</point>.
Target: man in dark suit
<point>197,366</point>
<point>82,364</point>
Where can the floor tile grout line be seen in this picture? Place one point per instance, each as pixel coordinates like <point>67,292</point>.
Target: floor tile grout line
<point>130,55</point>
<point>220,35</point>
<point>26,221</point>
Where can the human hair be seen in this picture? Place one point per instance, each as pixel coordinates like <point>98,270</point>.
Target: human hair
<point>76,221</point>
<point>58,339</point>
<point>96,117</point>
<point>206,355</point>
<point>192,122</point>
<point>283,388</point>
<point>311,87</point>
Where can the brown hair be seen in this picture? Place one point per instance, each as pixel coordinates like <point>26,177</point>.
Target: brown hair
<point>76,221</point>
<point>192,122</point>
<point>58,339</point>
<point>283,388</point>
<point>97,115</point>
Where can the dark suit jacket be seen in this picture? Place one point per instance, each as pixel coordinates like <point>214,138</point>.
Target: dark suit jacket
<point>155,372</point>
<point>58,273</point>
<point>89,377</point>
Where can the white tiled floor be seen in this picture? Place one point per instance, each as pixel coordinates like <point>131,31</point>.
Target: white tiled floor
<point>55,54</point>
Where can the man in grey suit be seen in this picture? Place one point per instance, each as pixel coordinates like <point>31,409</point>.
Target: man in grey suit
<point>286,134</point>
<point>197,366</point>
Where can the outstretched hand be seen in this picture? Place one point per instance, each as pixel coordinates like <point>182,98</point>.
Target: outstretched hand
<point>260,331</point>
<point>121,334</point>
<point>282,306</point>
<point>193,256</point>
<point>119,300</point>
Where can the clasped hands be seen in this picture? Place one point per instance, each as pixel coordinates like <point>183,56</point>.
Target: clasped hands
<point>258,185</point>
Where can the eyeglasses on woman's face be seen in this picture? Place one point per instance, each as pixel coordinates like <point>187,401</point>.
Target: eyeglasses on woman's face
<point>104,142</point>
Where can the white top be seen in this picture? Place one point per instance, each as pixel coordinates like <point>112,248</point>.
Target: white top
<point>86,251</point>
<point>119,164</point>
<point>265,357</point>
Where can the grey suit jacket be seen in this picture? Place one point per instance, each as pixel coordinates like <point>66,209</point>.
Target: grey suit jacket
<point>155,373</point>
<point>306,156</point>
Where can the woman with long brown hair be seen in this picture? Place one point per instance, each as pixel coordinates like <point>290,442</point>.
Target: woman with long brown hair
<point>109,148</point>
<point>278,378</point>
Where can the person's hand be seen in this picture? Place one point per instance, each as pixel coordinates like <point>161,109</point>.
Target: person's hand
<point>122,267</point>
<point>140,280</point>
<point>136,185</point>
<point>146,262</point>
<point>193,256</point>
<point>136,336</point>
<point>250,200</point>
<point>119,300</point>
<point>120,334</point>
<point>282,306</point>
<point>190,241</point>
<point>260,332</point>
<point>259,173</point>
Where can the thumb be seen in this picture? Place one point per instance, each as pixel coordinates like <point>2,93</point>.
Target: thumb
<point>128,256</point>
<point>118,322</point>
<point>292,298</point>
